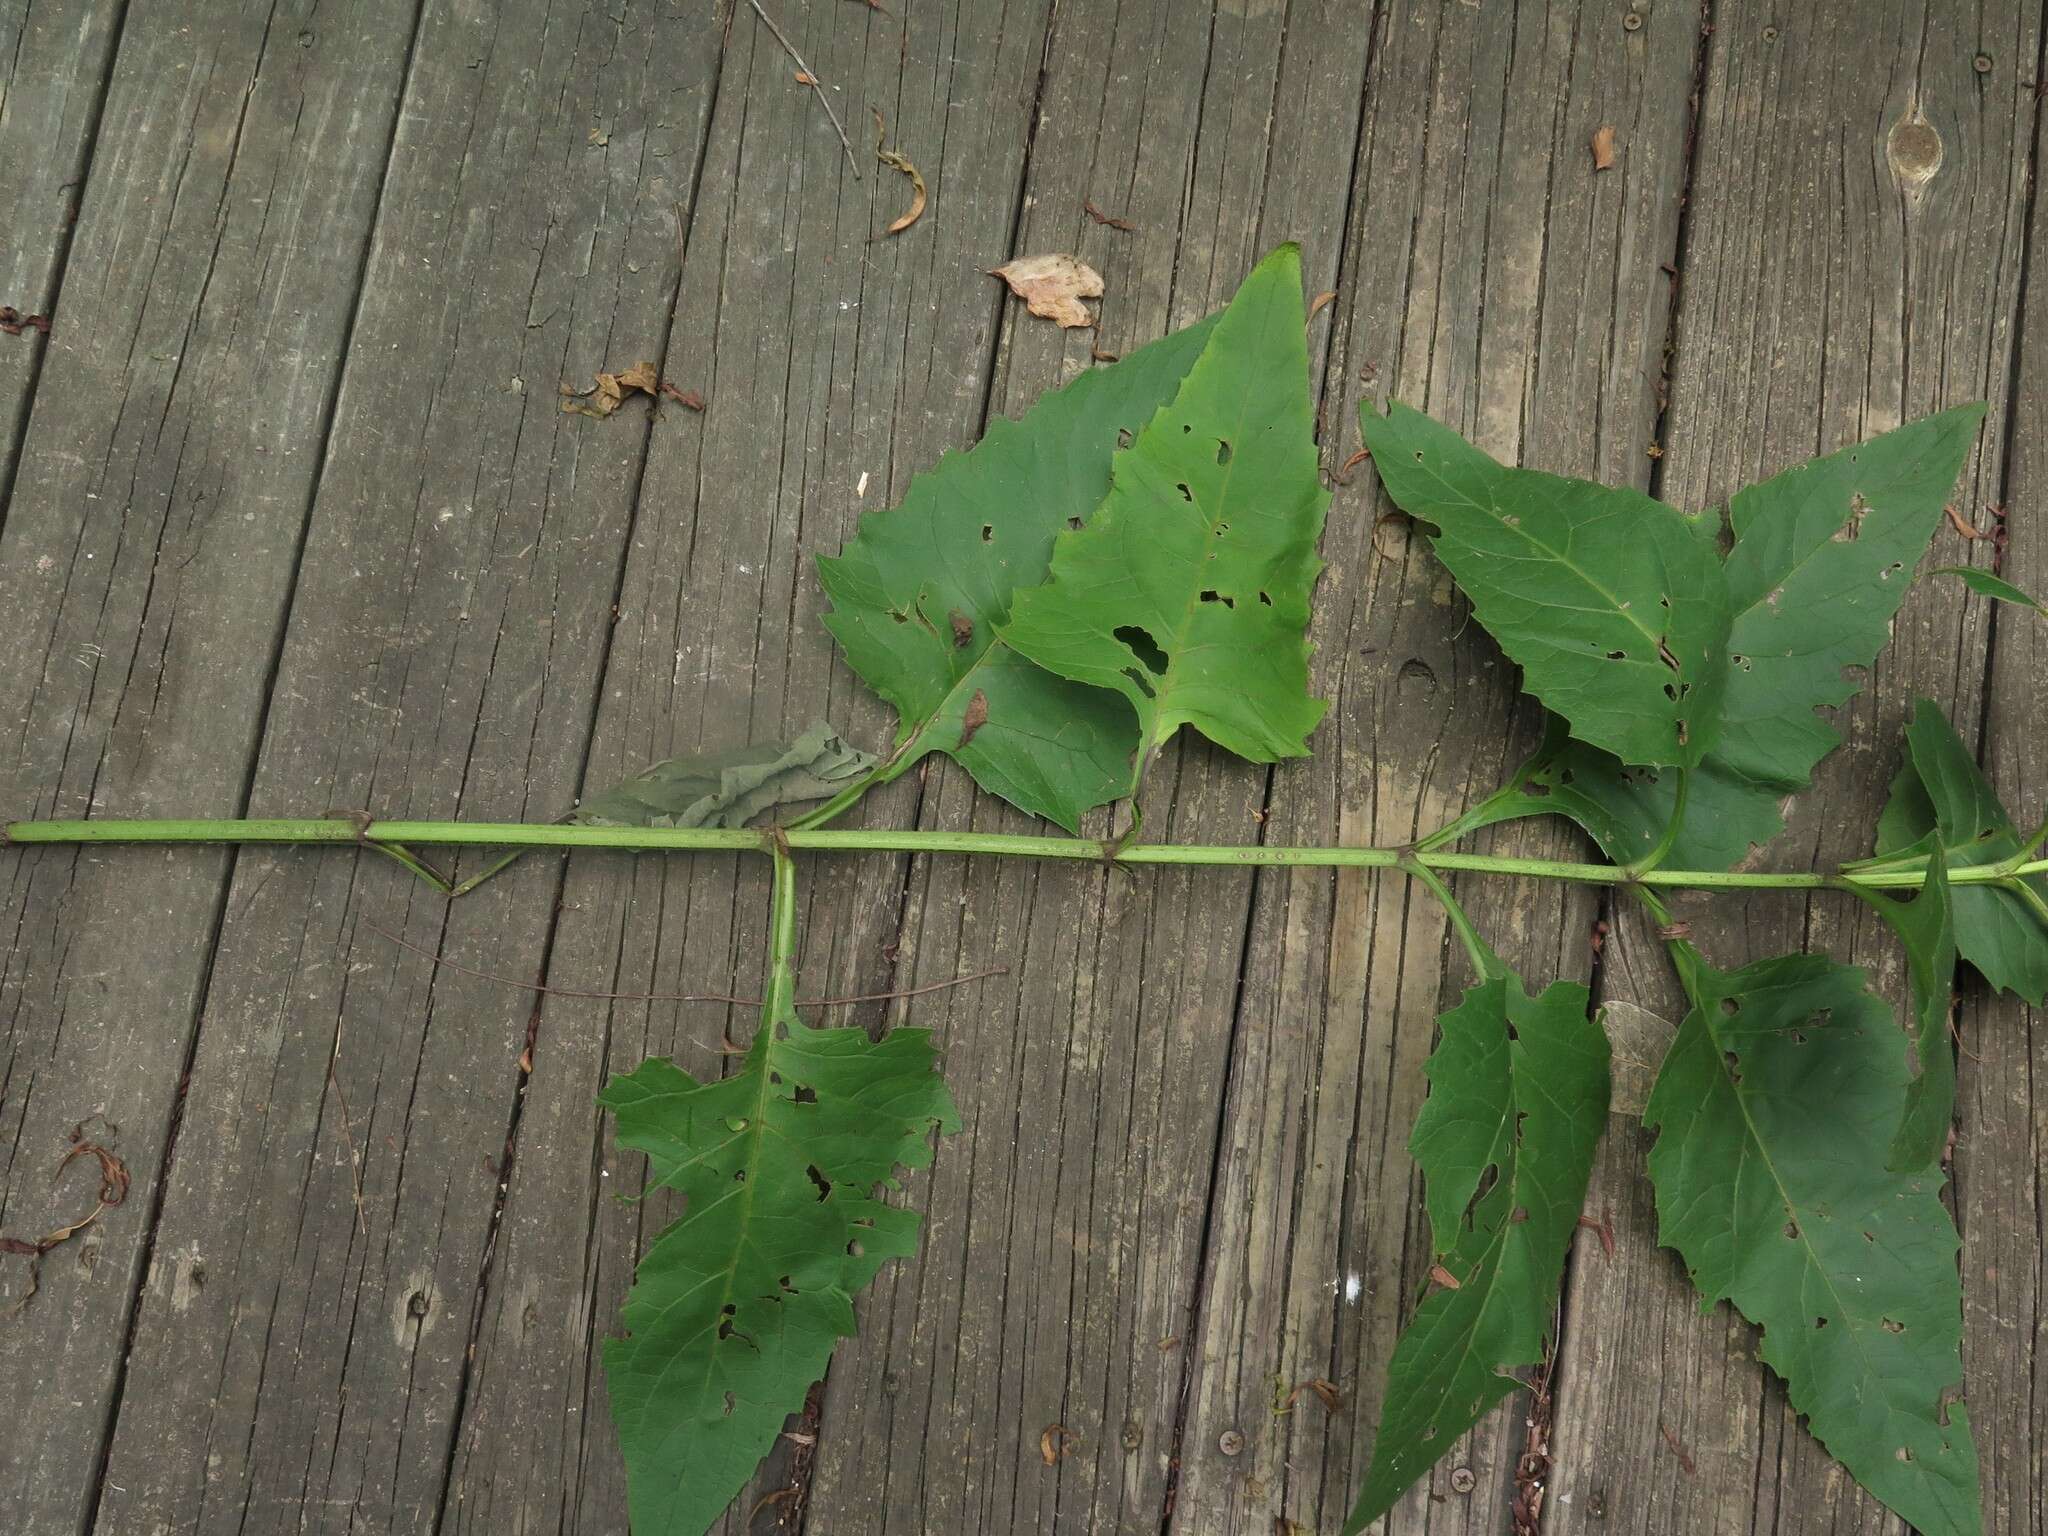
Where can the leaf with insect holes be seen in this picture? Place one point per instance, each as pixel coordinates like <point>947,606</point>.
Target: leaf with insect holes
<point>736,1306</point>
<point>1612,604</point>
<point>1774,1111</point>
<point>728,789</point>
<point>1517,1101</point>
<point>1188,591</point>
<point>1926,926</point>
<point>1940,797</point>
<point>921,590</point>
<point>1822,559</point>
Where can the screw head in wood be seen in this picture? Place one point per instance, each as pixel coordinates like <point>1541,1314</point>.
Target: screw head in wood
<point>1230,1442</point>
<point>1463,1479</point>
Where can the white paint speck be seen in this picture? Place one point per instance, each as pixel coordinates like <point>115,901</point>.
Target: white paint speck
<point>862,488</point>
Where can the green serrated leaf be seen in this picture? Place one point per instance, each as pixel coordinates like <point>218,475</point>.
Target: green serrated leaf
<point>1517,1101</point>
<point>1775,1109</point>
<point>1941,798</point>
<point>728,789</point>
<point>1926,927</point>
<point>1612,603</point>
<point>1822,558</point>
<point>736,1306</point>
<point>920,592</point>
<point>1984,584</point>
<point>1188,590</point>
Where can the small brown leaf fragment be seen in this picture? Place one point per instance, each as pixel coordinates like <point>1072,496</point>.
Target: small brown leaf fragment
<point>611,389</point>
<point>1343,475</point>
<point>1095,351</point>
<point>1967,530</point>
<point>1445,1278</point>
<point>1685,1461</point>
<point>897,162</point>
<point>13,322</point>
<point>1603,147</point>
<point>973,717</point>
<point>1170,1342</point>
<point>1597,940</point>
<point>1055,1442</point>
<point>1052,287</point>
<point>1321,301</point>
<point>689,398</point>
<point>1604,1226</point>
<point>963,628</point>
<point>1675,930</point>
<point>805,77</point>
<point>1108,220</point>
<point>1324,1392</point>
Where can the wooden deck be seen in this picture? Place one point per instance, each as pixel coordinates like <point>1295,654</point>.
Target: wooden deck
<point>294,525</point>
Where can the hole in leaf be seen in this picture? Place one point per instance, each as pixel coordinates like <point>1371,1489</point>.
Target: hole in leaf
<point>1074,523</point>
<point>1123,437</point>
<point>1187,426</point>
<point>775,1079</point>
<point>739,1175</point>
<point>1536,789</point>
<point>1792,1231</point>
<point>731,1403</point>
<point>854,1249</point>
<point>1730,1007</point>
<point>1266,599</point>
<point>1144,647</point>
<point>1429,1433</point>
<point>1904,1453</point>
<point>784,1283</point>
<point>1741,661</point>
<point>1518,1215</point>
<point>1185,493</point>
<point>1870,1237</point>
<point>1144,683</point>
<point>1216,597</point>
<point>899,615</point>
<point>1734,1067</point>
<point>1565,776</point>
<point>824,1184</point>
<point>1222,451</point>
<point>1617,655</point>
<point>1671,693</point>
<point>1664,655</point>
<point>805,1094</point>
<point>1222,529</point>
<point>1891,1325</point>
<point>1819,1323</point>
<point>988,533</point>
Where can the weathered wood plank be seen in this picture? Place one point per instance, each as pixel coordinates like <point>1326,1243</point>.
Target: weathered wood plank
<point>54,57</point>
<point>1832,288</point>
<point>2001,1152</point>
<point>1066,1219</point>
<point>148,553</point>
<point>1493,278</point>
<point>828,353</point>
<point>303,1337</point>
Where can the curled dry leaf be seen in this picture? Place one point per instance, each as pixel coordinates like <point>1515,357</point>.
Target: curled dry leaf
<point>1052,287</point>
<point>1107,220</point>
<point>1603,147</point>
<point>1055,1442</point>
<point>1445,1278</point>
<point>897,162</point>
<point>13,322</point>
<point>611,389</point>
<point>1967,530</point>
<point>805,77</point>
<point>1321,302</point>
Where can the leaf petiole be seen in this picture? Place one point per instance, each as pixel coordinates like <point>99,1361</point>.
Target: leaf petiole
<point>1484,960</point>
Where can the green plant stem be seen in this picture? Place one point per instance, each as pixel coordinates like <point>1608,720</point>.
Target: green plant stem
<point>872,840</point>
<point>1484,960</point>
<point>778,991</point>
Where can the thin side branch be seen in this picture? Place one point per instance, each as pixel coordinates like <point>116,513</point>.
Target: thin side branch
<point>810,78</point>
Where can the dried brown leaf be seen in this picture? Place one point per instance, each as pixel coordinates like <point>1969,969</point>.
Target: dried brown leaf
<point>1321,301</point>
<point>1967,530</point>
<point>14,322</point>
<point>963,628</point>
<point>897,162</point>
<point>1108,220</point>
<point>805,77</point>
<point>1603,147</point>
<point>1445,1278</point>
<point>610,391</point>
<point>1052,287</point>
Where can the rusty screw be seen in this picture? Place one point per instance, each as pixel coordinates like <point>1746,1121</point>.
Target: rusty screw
<point>1632,21</point>
<point>1463,1480</point>
<point>1230,1442</point>
<point>1982,63</point>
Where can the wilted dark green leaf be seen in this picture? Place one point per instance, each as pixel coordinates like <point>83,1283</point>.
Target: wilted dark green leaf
<point>736,1306</point>
<point>1926,926</point>
<point>1775,1110</point>
<point>728,789</point>
<point>1612,603</point>
<point>1517,1101</point>
<point>1940,797</point>
<point>920,592</point>
<point>1188,590</point>
<point>1823,556</point>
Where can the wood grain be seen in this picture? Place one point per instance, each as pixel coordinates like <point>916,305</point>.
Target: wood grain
<point>1494,279</point>
<point>54,58</point>
<point>304,1335</point>
<point>149,550</point>
<point>826,351</point>
<point>1832,289</point>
